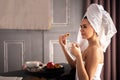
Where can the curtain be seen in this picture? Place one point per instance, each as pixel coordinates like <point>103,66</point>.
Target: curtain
<point>111,57</point>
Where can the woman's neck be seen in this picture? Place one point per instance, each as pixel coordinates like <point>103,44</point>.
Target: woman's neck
<point>94,40</point>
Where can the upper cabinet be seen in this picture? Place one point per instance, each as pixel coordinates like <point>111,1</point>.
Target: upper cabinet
<point>25,14</point>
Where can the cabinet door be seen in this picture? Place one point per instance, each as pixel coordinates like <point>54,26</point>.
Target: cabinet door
<point>13,56</point>
<point>16,47</point>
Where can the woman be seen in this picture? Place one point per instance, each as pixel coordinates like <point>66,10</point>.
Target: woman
<point>96,30</point>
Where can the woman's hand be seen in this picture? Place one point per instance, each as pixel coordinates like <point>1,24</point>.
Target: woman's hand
<point>76,50</point>
<point>63,39</point>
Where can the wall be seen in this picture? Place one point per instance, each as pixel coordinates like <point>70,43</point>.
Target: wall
<point>18,46</point>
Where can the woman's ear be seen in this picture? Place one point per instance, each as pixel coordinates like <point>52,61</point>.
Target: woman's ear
<point>95,33</point>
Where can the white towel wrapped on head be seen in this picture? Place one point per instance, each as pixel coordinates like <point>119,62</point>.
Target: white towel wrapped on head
<point>102,23</point>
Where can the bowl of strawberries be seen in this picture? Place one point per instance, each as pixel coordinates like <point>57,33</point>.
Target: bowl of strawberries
<point>54,67</point>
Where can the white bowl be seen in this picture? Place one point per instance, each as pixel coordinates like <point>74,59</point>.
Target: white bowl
<point>32,63</point>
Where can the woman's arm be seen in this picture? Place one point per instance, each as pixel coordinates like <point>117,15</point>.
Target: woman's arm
<point>69,59</point>
<point>86,71</point>
<point>62,41</point>
<point>92,61</point>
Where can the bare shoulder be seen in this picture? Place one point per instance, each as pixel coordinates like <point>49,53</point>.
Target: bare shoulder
<point>96,53</point>
<point>95,49</point>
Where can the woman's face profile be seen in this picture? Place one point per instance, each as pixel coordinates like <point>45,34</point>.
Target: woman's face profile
<point>86,29</point>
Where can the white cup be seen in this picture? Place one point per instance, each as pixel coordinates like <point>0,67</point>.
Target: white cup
<point>68,48</point>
